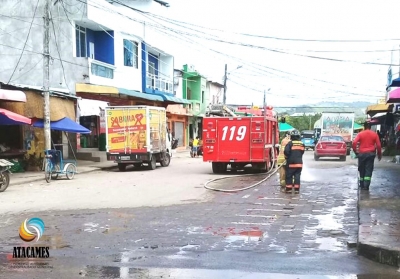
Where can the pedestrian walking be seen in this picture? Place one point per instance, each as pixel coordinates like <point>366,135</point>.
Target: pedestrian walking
<point>294,151</point>
<point>369,146</point>
<point>282,160</point>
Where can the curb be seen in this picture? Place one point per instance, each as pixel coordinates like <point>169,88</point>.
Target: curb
<point>379,254</point>
<point>42,178</point>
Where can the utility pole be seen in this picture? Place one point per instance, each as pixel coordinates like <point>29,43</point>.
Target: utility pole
<point>46,76</point>
<point>265,102</point>
<point>225,78</point>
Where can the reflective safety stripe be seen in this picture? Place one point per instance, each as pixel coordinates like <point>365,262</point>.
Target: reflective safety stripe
<point>361,179</point>
<point>296,186</point>
<point>295,165</point>
<point>297,147</point>
<point>366,178</point>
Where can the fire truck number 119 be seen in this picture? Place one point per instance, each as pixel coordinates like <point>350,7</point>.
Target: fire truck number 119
<point>240,133</point>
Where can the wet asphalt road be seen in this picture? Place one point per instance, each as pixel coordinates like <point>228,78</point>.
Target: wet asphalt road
<point>257,233</point>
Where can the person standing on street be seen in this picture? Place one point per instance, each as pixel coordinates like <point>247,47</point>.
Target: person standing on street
<point>366,153</point>
<point>294,151</point>
<point>281,160</point>
<point>195,146</point>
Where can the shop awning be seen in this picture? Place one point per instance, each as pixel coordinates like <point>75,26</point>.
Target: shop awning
<point>91,107</point>
<point>374,109</point>
<point>284,127</point>
<point>394,83</point>
<point>11,118</point>
<point>357,126</point>
<point>12,95</point>
<point>171,99</point>
<point>65,124</point>
<point>394,96</point>
<point>140,95</point>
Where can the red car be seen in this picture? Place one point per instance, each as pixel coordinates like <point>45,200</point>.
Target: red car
<point>330,146</point>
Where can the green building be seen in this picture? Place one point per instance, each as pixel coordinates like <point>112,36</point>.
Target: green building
<point>195,90</point>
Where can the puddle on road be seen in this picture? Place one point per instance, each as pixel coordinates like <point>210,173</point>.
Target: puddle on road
<point>329,244</point>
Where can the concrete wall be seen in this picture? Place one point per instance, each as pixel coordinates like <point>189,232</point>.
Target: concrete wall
<point>29,70</point>
<point>98,15</point>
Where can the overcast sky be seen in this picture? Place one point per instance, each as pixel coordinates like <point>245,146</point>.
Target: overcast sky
<point>291,78</point>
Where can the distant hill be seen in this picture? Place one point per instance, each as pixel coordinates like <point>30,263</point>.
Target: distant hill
<point>357,107</point>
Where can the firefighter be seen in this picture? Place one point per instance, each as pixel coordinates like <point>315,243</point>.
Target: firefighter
<point>369,146</point>
<point>294,151</point>
<point>281,160</point>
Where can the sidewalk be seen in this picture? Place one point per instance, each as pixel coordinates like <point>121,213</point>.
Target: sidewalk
<point>82,167</point>
<point>379,215</point>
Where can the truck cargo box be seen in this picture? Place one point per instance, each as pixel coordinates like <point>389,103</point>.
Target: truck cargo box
<point>136,134</point>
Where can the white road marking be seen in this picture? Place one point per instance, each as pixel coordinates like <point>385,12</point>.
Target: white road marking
<point>258,216</point>
<point>245,196</point>
<point>256,224</point>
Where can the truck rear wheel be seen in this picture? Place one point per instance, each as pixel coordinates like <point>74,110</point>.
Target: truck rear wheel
<point>166,160</point>
<point>219,167</point>
<point>152,164</point>
<point>121,167</point>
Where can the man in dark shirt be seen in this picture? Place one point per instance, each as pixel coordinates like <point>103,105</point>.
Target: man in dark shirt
<point>294,151</point>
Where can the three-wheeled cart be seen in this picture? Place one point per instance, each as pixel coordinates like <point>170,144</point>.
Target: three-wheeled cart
<point>54,164</point>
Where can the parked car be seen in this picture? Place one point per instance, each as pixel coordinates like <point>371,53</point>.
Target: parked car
<point>330,146</point>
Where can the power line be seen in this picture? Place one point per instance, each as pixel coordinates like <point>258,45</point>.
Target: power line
<point>58,50</point>
<point>273,37</point>
<point>26,41</point>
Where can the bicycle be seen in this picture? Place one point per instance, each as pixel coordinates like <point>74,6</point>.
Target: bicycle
<point>55,165</point>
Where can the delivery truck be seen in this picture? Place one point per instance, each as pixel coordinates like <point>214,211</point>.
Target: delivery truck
<point>137,135</point>
<point>337,123</point>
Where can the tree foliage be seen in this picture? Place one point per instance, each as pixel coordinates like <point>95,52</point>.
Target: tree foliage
<point>304,122</point>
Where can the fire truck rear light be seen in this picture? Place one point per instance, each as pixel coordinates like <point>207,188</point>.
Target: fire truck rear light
<point>210,140</point>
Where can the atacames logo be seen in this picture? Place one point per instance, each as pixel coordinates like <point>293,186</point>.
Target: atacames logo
<point>34,224</point>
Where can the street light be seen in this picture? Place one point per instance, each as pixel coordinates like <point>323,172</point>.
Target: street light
<point>225,79</point>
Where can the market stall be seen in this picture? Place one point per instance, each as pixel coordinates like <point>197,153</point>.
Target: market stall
<point>9,148</point>
<point>55,164</point>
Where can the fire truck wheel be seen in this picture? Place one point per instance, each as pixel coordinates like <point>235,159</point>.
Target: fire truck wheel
<point>219,167</point>
<point>121,167</point>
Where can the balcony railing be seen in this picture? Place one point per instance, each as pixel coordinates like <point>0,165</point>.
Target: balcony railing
<point>161,84</point>
<point>101,69</point>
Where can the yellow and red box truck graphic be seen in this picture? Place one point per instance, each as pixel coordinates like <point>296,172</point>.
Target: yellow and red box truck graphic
<point>126,130</point>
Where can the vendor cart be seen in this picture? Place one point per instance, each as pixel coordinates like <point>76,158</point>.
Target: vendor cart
<point>54,164</point>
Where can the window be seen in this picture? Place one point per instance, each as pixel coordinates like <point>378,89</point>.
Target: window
<point>202,96</point>
<point>152,68</point>
<point>130,54</point>
<point>80,41</point>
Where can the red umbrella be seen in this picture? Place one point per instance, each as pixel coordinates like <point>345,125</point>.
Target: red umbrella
<point>394,96</point>
<point>11,118</point>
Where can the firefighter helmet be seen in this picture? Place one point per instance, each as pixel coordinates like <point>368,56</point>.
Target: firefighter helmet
<point>295,134</point>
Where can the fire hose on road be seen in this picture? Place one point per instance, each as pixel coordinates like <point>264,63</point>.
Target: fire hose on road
<point>271,172</point>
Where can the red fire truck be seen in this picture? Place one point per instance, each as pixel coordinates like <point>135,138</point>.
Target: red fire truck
<point>240,140</point>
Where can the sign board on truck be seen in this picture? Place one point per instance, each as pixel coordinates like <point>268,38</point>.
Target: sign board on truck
<point>338,123</point>
<point>126,129</point>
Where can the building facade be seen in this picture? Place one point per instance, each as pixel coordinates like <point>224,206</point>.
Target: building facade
<point>99,50</point>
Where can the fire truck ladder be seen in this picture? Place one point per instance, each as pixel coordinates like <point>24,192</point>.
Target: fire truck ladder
<point>220,110</point>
